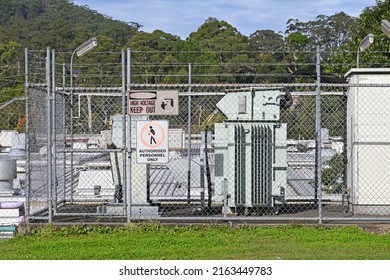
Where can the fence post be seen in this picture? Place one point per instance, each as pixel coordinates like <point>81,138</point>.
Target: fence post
<point>318,163</point>
<point>124,141</point>
<point>71,120</point>
<point>27,144</point>
<point>53,132</point>
<point>128,143</point>
<point>189,134</point>
<point>64,131</point>
<point>49,139</point>
<point>89,106</point>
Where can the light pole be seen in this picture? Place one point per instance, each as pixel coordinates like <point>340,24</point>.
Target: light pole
<point>364,45</point>
<point>79,51</point>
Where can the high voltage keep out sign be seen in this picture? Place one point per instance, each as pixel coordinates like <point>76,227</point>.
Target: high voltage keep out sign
<point>152,142</point>
<point>161,102</point>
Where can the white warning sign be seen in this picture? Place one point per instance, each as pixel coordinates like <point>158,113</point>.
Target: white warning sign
<point>161,102</point>
<point>152,141</point>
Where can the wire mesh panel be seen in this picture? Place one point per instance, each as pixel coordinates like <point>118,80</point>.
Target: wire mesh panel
<point>93,173</point>
<point>12,171</point>
<point>301,194</point>
<point>334,145</point>
<point>37,151</point>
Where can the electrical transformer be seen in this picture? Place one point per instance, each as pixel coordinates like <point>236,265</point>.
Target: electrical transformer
<point>250,151</point>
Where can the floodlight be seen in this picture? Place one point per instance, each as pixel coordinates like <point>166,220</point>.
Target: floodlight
<point>86,46</point>
<point>385,26</point>
<point>80,51</point>
<point>364,45</point>
<point>366,42</point>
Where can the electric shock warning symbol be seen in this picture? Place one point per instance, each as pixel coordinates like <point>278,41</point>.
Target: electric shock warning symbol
<point>168,104</point>
<point>152,141</point>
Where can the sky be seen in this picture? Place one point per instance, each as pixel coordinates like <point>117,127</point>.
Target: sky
<point>181,17</point>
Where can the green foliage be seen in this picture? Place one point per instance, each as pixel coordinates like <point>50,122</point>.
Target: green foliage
<point>11,84</point>
<point>11,114</point>
<point>370,22</point>
<point>221,44</point>
<point>38,24</point>
<point>329,32</point>
<point>211,120</point>
<point>51,230</point>
<point>152,57</point>
<point>265,41</point>
<point>301,118</point>
<point>334,114</point>
<point>219,52</point>
<point>221,37</point>
<point>332,174</point>
<point>10,66</point>
<point>377,55</point>
<point>104,62</point>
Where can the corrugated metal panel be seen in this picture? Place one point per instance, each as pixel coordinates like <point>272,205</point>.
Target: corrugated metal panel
<point>240,165</point>
<point>261,164</point>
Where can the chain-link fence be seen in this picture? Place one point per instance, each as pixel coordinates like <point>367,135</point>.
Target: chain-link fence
<point>237,151</point>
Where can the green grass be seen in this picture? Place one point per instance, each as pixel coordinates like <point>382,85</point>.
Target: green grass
<point>147,242</point>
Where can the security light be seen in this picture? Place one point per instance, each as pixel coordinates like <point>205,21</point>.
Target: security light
<point>364,45</point>
<point>366,42</point>
<point>86,46</point>
<point>80,51</point>
<point>385,26</point>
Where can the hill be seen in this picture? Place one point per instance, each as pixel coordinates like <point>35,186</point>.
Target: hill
<point>59,24</point>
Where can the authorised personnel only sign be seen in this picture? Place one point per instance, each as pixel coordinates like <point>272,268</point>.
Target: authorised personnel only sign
<point>152,141</point>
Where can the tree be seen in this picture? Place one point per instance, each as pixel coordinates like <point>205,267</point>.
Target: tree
<point>39,24</point>
<point>151,54</point>
<point>220,43</point>
<point>242,68</point>
<point>298,55</point>
<point>99,66</point>
<point>300,119</point>
<point>266,47</point>
<point>11,84</point>
<point>328,32</point>
<point>10,66</point>
<point>369,22</point>
<point>221,37</point>
<point>266,41</point>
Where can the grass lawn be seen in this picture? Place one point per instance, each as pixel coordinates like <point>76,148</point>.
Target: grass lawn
<point>154,242</point>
